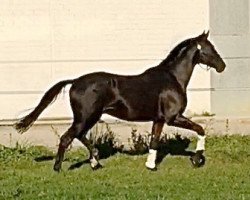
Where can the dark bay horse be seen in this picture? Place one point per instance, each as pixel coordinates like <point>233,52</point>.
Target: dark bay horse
<point>157,95</point>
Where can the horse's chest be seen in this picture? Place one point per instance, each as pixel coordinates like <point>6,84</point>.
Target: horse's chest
<point>172,102</point>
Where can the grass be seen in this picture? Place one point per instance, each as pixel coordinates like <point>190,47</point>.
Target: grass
<point>226,175</point>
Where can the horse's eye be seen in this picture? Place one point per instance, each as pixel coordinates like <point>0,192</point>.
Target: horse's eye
<point>204,53</point>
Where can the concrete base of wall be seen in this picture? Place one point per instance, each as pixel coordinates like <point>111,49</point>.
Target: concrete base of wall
<point>47,133</point>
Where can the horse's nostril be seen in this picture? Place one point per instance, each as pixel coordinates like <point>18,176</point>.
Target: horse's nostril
<point>220,69</point>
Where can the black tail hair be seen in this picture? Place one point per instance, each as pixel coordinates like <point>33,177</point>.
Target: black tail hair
<point>26,122</point>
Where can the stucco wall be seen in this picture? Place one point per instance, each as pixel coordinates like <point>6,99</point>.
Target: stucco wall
<point>230,28</point>
<point>43,42</point>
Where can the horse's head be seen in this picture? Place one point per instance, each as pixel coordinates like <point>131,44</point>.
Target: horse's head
<point>207,54</point>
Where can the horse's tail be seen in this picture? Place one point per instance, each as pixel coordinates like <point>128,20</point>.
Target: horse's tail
<point>26,122</point>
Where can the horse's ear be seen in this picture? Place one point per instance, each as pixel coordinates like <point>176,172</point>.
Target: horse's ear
<point>206,34</point>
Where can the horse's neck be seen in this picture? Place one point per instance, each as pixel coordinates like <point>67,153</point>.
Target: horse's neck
<point>183,73</point>
<point>183,68</point>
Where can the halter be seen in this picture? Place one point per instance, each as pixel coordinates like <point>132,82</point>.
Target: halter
<point>207,67</point>
<point>204,68</point>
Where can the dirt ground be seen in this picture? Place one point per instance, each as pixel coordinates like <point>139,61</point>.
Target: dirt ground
<point>47,133</point>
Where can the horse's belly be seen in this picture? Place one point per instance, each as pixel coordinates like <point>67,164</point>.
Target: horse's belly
<point>127,117</point>
<point>131,113</point>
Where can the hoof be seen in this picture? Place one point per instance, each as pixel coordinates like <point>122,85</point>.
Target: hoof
<point>57,168</point>
<point>152,169</point>
<point>197,160</point>
<point>98,166</point>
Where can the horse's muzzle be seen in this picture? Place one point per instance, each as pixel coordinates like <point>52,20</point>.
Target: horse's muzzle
<point>220,68</point>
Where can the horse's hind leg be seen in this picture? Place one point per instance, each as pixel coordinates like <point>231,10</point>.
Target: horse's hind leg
<point>65,141</point>
<point>79,131</point>
<point>94,153</point>
<point>91,120</point>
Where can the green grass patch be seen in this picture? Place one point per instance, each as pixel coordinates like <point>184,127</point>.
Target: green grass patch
<point>226,175</point>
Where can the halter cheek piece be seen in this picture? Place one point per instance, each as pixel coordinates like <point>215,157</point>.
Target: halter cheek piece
<point>199,48</point>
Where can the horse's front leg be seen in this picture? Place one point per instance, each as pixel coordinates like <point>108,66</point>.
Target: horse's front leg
<point>155,137</point>
<point>180,121</point>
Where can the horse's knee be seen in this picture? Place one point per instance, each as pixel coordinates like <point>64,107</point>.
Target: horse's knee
<point>200,131</point>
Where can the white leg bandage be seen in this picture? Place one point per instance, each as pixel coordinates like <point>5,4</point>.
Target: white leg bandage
<point>151,159</point>
<point>200,143</point>
<point>93,162</point>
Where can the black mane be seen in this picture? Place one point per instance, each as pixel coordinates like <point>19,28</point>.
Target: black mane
<point>175,52</point>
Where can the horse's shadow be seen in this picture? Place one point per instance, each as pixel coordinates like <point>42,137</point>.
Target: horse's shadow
<point>175,147</point>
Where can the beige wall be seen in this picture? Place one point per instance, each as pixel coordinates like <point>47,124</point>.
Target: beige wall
<point>43,42</point>
<point>230,28</point>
